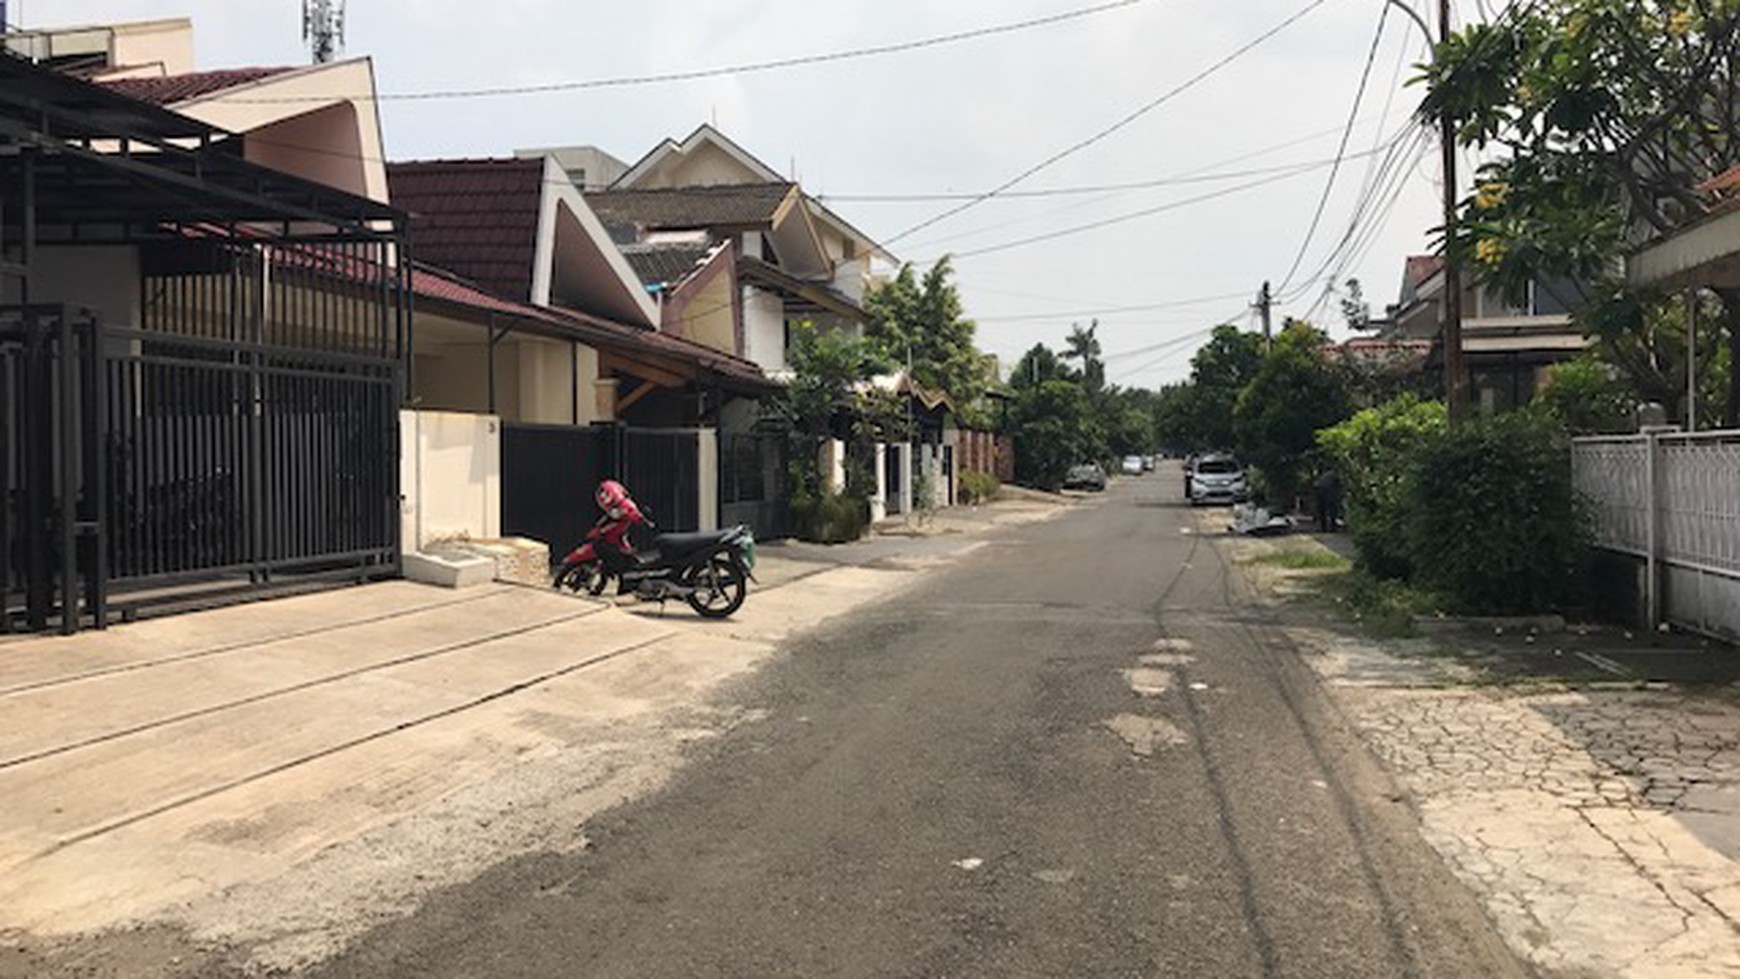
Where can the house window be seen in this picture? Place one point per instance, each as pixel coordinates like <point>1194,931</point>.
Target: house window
<point>746,469</point>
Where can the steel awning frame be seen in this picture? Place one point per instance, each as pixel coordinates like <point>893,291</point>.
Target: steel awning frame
<point>95,166</point>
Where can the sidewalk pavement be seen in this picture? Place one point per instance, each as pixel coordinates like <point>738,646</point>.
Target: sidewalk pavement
<point>284,775</point>
<point>1596,813</point>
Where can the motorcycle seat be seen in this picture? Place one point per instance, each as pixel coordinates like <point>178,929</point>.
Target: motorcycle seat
<point>672,546</point>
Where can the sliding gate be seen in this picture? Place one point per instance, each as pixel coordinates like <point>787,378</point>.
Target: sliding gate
<point>246,434</point>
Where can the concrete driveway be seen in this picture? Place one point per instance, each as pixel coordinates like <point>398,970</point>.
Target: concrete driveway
<point>286,774</point>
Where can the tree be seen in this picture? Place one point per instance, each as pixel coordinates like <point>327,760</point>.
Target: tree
<point>1054,428</point>
<point>1084,346</point>
<point>829,368</point>
<point>1355,311</point>
<point>925,319</point>
<point>1296,392</point>
<point>1609,115</point>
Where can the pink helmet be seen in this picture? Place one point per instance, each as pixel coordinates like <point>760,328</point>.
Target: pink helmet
<point>611,494</point>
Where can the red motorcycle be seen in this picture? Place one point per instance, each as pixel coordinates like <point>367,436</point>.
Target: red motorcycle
<point>710,571</point>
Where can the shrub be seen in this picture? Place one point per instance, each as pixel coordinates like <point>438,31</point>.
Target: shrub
<point>1490,518</point>
<point>978,487</point>
<point>1372,451</point>
<point>830,518</point>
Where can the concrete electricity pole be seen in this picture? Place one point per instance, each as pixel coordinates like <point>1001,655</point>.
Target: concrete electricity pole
<point>1265,305</point>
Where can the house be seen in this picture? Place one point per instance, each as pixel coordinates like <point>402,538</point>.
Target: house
<point>793,259</point>
<point>1507,347</point>
<point>201,361</point>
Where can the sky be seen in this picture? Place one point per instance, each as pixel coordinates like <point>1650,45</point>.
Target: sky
<point>1231,157</point>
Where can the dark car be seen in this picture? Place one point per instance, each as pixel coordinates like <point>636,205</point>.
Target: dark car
<point>1088,476</point>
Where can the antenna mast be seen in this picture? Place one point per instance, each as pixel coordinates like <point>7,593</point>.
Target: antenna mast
<point>323,28</point>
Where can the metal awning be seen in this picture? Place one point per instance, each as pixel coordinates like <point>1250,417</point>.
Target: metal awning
<point>95,166</point>
<point>1703,256</point>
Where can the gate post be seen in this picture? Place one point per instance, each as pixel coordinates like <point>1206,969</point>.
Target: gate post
<point>1652,525</point>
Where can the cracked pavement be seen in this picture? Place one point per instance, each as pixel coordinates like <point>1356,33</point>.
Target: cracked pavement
<point>1600,827</point>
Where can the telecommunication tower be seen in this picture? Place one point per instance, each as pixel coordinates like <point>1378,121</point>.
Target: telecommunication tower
<point>323,27</point>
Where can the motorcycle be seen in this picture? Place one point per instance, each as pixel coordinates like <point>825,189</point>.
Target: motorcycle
<point>710,571</point>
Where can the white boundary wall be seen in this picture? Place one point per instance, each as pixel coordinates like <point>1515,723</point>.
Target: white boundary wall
<point>449,477</point>
<point>1673,500</point>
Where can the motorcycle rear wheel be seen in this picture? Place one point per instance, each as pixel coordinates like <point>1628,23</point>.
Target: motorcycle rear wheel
<point>589,577</point>
<point>720,587</point>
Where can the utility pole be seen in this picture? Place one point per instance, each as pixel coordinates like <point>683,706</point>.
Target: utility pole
<point>1265,304</point>
<point>1455,368</point>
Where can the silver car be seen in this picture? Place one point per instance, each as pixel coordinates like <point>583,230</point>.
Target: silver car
<point>1217,479</point>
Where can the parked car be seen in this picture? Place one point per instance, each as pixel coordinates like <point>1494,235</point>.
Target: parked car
<point>1088,476</point>
<point>1133,466</point>
<point>1217,479</point>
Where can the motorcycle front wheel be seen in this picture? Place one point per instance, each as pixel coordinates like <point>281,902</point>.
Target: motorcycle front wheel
<point>720,586</point>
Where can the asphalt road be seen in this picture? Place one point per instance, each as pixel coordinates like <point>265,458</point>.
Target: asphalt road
<point>950,785</point>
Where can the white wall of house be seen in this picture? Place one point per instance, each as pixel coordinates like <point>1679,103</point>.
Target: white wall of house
<point>449,476</point>
<point>879,502</point>
<point>764,329</point>
<point>100,278</point>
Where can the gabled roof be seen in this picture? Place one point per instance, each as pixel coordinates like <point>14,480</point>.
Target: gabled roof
<point>1420,268</point>
<point>174,89</point>
<point>478,218</point>
<point>704,135</point>
<point>721,206</point>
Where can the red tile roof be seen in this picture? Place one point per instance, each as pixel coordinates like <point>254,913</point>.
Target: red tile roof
<point>174,89</point>
<point>478,218</point>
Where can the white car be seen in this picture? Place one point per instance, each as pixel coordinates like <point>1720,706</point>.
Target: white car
<point>1217,479</point>
<point>1132,465</point>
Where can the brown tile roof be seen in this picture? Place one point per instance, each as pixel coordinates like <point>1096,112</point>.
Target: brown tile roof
<point>667,264</point>
<point>722,206</point>
<point>173,89</point>
<point>443,286</point>
<point>476,217</point>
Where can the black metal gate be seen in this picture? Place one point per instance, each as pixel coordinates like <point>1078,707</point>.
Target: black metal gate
<point>246,435</point>
<point>548,473</point>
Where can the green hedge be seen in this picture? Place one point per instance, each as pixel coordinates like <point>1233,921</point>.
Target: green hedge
<point>1492,521</point>
<point>833,518</point>
<point>978,487</point>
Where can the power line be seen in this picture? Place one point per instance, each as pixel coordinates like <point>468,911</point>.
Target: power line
<point>1075,148</point>
<point>1126,217</point>
<point>1108,310</point>
<point>740,69</point>
<point>1195,177</point>
<point>1346,134</point>
<point>1279,173</point>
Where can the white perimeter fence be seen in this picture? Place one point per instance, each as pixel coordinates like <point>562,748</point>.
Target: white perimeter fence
<point>1673,500</point>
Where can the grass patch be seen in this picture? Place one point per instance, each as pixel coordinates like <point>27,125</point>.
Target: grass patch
<point>1385,609</point>
<point>1299,559</point>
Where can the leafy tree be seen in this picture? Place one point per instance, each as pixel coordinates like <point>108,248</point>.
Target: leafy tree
<point>1054,428</point>
<point>1084,346</point>
<point>1608,115</point>
<point>1587,398</point>
<point>1038,365</point>
<point>1355,311</point>
<point>926,318</point>
<point>829,368</point>
<point>1296,391</point>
